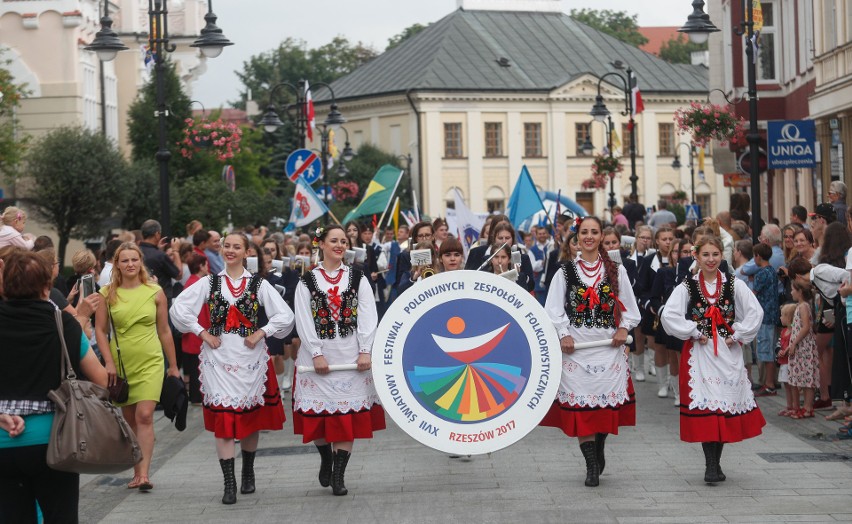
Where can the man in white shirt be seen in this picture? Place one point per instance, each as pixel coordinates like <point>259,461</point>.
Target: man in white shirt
<point>106,272</point>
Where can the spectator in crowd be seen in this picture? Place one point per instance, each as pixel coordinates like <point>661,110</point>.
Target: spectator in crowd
<point>799,215</point>
<point>30,349</point>
<point>634,212</point>
<point>837,197</point>
<point>192,227</point>
<point>201,242</point>
<point>539,252</point>
<point>162,256</point>
<point>789,246</point>
<point>213,252</point>
<point>109,252</point>
<point>663,217</point>
<point>766,290</point>
<point>618,217</point>
<point>83,262</point>
<point>822,216</point>
<point>12,229</point>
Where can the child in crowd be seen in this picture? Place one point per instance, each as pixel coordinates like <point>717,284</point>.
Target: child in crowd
<point>766,291</point>
<point>804,362</point>
<point>787,312</point>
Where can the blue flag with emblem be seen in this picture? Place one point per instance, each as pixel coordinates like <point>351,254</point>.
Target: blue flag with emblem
<point>525,201</point>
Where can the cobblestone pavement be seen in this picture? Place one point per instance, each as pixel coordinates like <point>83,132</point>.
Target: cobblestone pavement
<point>797,471</point>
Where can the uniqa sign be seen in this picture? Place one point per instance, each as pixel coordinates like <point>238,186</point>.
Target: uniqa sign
<point>792,143</point>
<point>466,362</point>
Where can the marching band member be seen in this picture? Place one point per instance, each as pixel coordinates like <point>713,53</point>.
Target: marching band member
<point>715,314</point>
<point>336,318</point>
<point>241,395</point>
<point>591,300</point>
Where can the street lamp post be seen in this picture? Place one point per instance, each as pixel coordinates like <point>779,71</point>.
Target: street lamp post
<point>588,148</point>
<point>677,165</point>
<point>211,42</point>
<point>271,122</point>
<point>698,26</point>
<point>601,113</point>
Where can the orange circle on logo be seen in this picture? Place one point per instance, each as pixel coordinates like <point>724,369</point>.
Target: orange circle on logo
<point>455,325</point>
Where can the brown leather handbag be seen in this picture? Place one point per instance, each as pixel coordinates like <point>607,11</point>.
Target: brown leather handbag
<point>89,434</point>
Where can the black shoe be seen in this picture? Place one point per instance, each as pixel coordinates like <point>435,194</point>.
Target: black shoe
<point>722,476</point>
<point>590,454</point>
<point>600,442</point>
<point>341,458</point>
<point>247,482</point>
<point>230,496</point>
<point>326,462</point>
<point>711,463</point>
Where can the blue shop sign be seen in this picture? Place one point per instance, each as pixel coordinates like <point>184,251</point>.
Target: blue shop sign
<point>791,143</point>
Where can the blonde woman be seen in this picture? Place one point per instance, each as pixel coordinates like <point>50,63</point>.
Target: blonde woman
<point>12,230</point>
<point>140,315</point>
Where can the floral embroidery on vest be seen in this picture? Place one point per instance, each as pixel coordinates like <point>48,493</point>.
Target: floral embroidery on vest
<point>698,305</point>
<point>583,310</point>
<point>247,305</point>
<point>347,314</point>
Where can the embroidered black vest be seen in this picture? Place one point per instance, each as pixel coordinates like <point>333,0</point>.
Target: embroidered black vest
<point>698,305</point>
<point>578,309</point>
<point>325,325</point>
<point>247,304</point>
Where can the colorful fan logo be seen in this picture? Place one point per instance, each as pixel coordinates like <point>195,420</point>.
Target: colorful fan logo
<point>466,362</point>
<point>480,384</point>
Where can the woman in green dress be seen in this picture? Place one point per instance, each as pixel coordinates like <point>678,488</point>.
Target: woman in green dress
<point>140,316</point>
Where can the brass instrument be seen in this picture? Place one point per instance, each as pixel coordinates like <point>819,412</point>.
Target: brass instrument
<point>427,272</point>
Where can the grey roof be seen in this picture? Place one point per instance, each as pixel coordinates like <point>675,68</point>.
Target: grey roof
<point>546,50</point>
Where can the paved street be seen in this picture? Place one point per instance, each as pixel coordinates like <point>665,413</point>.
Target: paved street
<point>795,472</point>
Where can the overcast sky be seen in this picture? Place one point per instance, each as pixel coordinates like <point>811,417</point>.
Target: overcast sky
<point>256,26</point>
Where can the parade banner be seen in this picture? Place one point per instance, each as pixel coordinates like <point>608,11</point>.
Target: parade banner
<point>466,362</point>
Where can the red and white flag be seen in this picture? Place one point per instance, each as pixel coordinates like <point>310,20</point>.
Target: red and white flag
<point>638,105</point>
<point>309,112</point>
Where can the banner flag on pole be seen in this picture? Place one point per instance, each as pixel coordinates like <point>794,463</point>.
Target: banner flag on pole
<point>307,206</point>
<point>469,224</point>
<point>309,112</point>
<point>379,193</point>
<point>525,201</point>
<point>638,105</point>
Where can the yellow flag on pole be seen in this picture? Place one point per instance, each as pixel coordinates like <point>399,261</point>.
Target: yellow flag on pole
<point>395,216</point>
<point>616,142</point>
<point>332,147</point>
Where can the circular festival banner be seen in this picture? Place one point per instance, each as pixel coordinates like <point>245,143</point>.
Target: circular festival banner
<point>466,362</point>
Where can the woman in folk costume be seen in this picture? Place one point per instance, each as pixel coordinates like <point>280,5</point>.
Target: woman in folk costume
<point>336,318</point>
<point>715,314</point>
<point>241,395</point>
<point>592,302</point>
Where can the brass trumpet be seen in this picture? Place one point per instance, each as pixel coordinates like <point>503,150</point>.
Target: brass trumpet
<point>427,272</point>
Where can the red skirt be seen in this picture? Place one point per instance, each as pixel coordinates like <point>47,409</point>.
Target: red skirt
<point>704,425</point>
<point>240,423</point>
<point>338,427</point>
<point>577,421</point>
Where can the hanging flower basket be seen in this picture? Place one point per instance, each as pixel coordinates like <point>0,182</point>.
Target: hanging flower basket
<point>345,190</point>
<point>216,137</point>
<point>604,168</point>
<point>706,122</point>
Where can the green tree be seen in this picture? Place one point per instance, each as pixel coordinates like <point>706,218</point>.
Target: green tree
<point>406,33</point>
<point>11,145</point>
<point>292,61</point>
<point>76,174</point>
<point>679,50</point>
<point>618,24</point>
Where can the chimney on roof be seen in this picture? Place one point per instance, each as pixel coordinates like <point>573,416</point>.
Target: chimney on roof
<point>541,6</point>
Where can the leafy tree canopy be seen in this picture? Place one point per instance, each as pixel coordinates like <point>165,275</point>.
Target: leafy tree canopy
<point>679,50</point>
<point>406,33</point>
<point>618,24</point>
<point>292,61</point>
<point>76,175</point>
<point>11,145</point>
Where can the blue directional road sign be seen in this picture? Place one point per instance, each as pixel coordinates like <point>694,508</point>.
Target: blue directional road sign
<point>791,143</point>
<point>303,163</point>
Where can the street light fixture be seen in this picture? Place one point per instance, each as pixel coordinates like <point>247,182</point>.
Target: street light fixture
<point>271,121</point>
<point>587,149</point>
<point>699,27</point>
<point>601,114</point>
<point>677,165</point>
<point>211,42</point>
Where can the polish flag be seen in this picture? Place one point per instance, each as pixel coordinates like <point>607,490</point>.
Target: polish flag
<point>309,112</point>
<point>638,105</point>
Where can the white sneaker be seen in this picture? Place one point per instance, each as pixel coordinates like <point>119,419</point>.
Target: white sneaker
<point>639,376</point>
<point>639,368</point>
<point>652,371</point>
